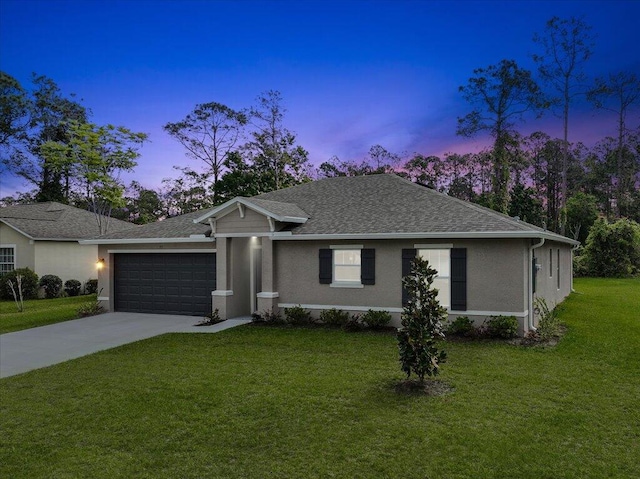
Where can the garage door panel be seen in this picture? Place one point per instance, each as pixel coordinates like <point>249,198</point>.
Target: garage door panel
<point>169,283</point>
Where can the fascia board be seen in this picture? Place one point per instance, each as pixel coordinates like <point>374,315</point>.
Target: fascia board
<point>214,212</point>
<point>147,240</point>
<point>228,207</point>
<point>431,235</point>
<point>17,229</point>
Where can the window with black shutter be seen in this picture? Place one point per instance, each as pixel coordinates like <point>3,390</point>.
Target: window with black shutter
<point>326,266</point>
<point>458,279</point>
<point>368,273</point>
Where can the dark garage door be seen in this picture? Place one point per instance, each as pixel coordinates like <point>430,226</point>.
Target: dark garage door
<point>165,283</point>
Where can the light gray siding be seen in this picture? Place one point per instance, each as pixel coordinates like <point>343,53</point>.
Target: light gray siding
<point>547,276</point>
<point>496,275</point>
<point>251,223</point>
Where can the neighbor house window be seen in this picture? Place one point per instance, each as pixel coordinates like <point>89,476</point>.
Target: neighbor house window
<point>440,260</point>
<point>7,259</point>
<point>347,264</point>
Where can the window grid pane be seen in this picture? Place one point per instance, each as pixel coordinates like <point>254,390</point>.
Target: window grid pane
<point>440,260</point>
<point>7,260</point>
<point>346,265</point>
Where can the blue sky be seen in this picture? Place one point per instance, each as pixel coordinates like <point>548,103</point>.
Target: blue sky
<point>353,73</point>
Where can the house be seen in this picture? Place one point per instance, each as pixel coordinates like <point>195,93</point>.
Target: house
<point>335,243</point>
<point>44,237</point>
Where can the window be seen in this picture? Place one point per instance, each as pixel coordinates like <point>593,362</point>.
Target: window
<point>550,263</point>
<point>558,268</point>
<point>347,265</point>
<point>440,260</point>
<point>7,259</point>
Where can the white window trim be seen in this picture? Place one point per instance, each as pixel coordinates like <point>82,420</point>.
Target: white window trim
<point>433,246</point>
<point>345,284</point>
<point>14,248</point>
<point>440,276</point>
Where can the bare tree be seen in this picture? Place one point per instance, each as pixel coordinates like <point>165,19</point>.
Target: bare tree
<point>209,133</point>
<point>618,93</point>
<point>500,96</point>
<point>566,44</point>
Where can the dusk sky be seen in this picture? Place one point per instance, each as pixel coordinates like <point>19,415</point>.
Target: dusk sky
<point>352,73</point>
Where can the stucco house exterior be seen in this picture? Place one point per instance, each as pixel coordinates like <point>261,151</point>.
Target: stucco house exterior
<point>44,237</point>
<point>335,243</point>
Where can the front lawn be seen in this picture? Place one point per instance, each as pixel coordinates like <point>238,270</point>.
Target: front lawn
<point>260,402</point>
<point>40,312</point>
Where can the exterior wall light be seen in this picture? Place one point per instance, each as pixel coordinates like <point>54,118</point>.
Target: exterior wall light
<point>100,264</point>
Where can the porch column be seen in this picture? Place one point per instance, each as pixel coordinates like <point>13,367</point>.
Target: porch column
<point>268,297</point>
<point>222,294</point>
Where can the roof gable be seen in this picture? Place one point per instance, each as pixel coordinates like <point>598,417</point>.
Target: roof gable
<point>276,210</point>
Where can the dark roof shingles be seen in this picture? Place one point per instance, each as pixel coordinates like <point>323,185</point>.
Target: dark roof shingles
<point>54,220</point>
<point>387,204</point>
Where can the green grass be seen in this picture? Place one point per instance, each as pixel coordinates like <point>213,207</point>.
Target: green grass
<point>39,312</point>
<point>258,402</point>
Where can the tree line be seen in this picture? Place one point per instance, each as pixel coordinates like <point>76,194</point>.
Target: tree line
<point>563,186</point>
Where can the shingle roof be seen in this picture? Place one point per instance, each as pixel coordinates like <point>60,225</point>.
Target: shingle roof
<point>387,204</point>
<point>278,208</point>
<point>363,205</point>
<point>52,220</point>
<point>176,227</point>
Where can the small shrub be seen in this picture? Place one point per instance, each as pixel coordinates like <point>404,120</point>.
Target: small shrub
<point>297,316</point>
<point>334,317</point>
<point>52,285</point>
<point>29,283</point>
<point>210,319</point>
<point>353,324</point>
<point>461,326</point>
<point>72,287</point>
<point>267,317</point>
<point>376,319</point>
<point>91,286</point>
<point>549,322</point>
<point>505,327</point>
<point>90,308</point>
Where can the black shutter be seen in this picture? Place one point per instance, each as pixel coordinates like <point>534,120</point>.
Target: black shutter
<point>408,255</point>
<point>459,279</point>
<point>326,266</point>
<point>368,271</point>
<point>534,274</point>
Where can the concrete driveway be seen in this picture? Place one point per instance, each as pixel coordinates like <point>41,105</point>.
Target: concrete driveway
<point>35,348</point>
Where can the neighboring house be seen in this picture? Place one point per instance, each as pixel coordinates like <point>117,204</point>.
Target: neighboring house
<point>44,237</point>
<point>335,243</point>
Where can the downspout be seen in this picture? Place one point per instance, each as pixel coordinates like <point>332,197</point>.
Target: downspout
<point>531,256</point>
<point>575,247</point>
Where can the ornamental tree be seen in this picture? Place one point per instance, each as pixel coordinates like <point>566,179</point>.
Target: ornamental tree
<point>422,318</point>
